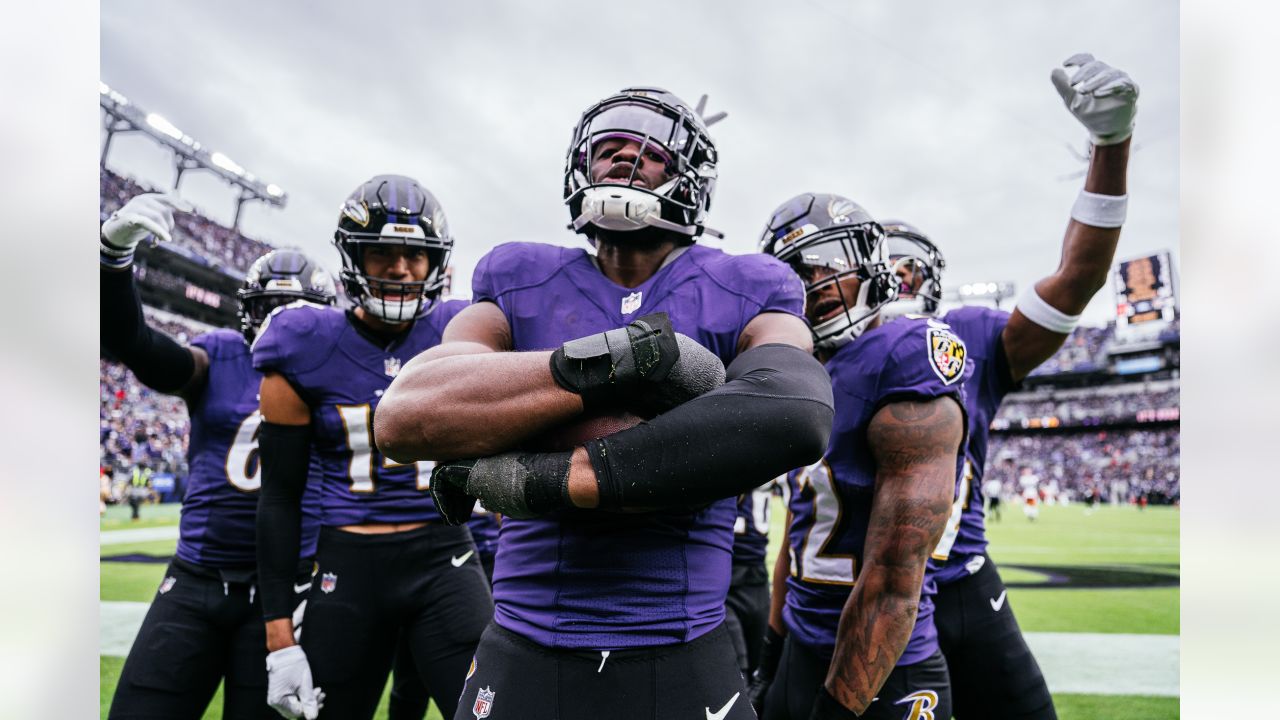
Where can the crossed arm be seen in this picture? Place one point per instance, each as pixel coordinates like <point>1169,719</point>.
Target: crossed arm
<point>469,398</point>
<point>915,444</point>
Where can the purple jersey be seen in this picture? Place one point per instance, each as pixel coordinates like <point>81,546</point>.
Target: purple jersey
<point>221,500</point>
<point>831,500</point>
<point>581,579</point>
<point>966,534</point>
<point>484,527</point>
<point>751,527</point>
<point>341,374</point>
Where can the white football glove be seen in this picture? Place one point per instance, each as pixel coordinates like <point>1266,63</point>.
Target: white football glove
<point>1101,97</point>
<point>289,688</point>
<point>143,215</point>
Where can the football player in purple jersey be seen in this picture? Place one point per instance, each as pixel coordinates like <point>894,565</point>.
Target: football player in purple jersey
<point>855,608</point>
<point>387,567</point>
<point>204,625</point>
<point>600,611</point>
<point>747,605</point>
<point>993,673</point>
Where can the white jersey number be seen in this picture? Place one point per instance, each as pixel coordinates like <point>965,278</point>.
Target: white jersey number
<point>355,421</point>
<point>815,565</point>
<point>943,550</point>
<point>760,498</point>
<point>244,469</point>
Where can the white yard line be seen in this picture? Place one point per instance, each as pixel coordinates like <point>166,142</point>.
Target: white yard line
<point>118,623</point>
<point>1090,663</point>
<point>1108,664</point>
<point>133,535</point>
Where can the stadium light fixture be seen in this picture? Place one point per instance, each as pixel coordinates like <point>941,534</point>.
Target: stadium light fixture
<point>188,154</point>
<point>226,163</point>
<point>162,124</point>
<point>995,291</point>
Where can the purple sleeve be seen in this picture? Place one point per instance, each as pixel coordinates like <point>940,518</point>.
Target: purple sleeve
<point>482,280</point>
<point>788,293</point>
<point>282,341</point>
<point>997,378</point>
<point>985,326</point>
<point>928,361</point>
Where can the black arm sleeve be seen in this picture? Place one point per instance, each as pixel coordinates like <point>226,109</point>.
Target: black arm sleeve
<point>156,359</point>
<point>285,451</point>
<point>773,414</point>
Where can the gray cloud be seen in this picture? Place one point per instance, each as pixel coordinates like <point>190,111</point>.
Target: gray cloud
<point>938,113</point>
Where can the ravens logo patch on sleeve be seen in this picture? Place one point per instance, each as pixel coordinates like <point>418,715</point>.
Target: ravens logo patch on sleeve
<point>947,353</point>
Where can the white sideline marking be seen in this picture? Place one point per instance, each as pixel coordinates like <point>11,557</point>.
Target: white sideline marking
<point>118,623</point>
<point>1108,663</point>
<point>1090,663</point>
<point>132,535</point>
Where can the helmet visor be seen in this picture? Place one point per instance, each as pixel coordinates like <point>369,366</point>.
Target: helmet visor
<point>637,122</point>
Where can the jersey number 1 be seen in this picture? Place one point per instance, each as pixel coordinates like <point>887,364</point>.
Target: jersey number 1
<point>355,419</point>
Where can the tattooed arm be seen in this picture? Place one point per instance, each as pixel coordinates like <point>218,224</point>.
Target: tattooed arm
<point>915,445</point>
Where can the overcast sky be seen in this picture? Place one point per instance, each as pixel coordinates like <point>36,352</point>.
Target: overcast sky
<point>939,113</point>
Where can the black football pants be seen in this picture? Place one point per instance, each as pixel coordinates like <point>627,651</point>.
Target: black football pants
<point>514,678</point>
<point>370,591</point>
<point>198,631</point>
<point>993,673</point>
<point>747,612</point>
<point>912,692</point>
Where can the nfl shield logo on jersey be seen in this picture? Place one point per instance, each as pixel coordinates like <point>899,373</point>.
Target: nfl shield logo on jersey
<point>168,584</point>
<point>328,582</point>
<point>631,303</point>
<point>391,366</point>
<point>484,704</point>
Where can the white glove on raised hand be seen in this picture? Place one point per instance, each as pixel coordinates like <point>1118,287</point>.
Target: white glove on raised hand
<point>289,688</point>
<point>143,215</point>
<point>1101,97</point>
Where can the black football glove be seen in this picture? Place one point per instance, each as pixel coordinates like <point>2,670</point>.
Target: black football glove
<point>603,367</point>
<point>762,677</point>
<point>520,485</point>
<point>644,362</point>
<point>826,707</point>
<point>454,504</point>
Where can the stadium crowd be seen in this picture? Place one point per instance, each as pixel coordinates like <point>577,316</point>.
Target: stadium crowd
<point>195,236</point>
<point>1084,351</point>
<point>1123,465</point>
<point>138,425</point>
<point>1091,409</point>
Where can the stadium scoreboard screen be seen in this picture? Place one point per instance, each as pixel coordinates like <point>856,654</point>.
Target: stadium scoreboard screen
<point>1145,292</point>
<point>171,281</point>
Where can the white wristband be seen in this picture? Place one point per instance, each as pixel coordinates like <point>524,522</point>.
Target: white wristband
<point>1104,211</point>
<point>1045,315</point>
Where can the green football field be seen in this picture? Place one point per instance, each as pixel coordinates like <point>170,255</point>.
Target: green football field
<point>1072,574</point>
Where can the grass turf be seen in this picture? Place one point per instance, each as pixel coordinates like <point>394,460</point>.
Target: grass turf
<point>1120,537</point>
<point>118,516</point>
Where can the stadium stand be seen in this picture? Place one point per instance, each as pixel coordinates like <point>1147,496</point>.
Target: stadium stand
<point>196,236</point>
<point>1085,420</point>
<point>1123,465</point>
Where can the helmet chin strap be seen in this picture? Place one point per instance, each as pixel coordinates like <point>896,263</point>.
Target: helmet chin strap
<point>392,311</point>
<point>623,209</point>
